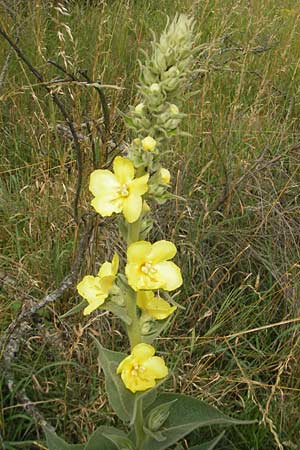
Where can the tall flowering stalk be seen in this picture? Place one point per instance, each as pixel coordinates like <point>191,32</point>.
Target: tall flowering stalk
<point>140,296</point>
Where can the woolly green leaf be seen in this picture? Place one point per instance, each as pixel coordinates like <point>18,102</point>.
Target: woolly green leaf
<point>56,443</point>
<point>99,442</point>
<point>210,445</point>
<point>186,415</point>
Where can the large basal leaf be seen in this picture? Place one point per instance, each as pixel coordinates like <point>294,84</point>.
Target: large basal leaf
<point>121,399</point>
<point>118,437</point>
<point>185,415</point>
<point>210,445</point>
<point>99,442</point>
<point>56,443</point>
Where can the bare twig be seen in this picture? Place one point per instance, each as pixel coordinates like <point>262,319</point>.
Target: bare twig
<point>64,112</point>
<point>15,333</point>
<point>103,101</point>
<point>31,307</point>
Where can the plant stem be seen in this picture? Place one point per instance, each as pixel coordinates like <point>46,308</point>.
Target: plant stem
<point>138,425</point>
<point>134,332</point>
<point>133,231</point>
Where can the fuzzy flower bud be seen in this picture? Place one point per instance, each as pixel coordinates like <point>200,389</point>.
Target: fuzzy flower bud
<point>174,109</point>
<point>149,144</point>
<point>155,87</point>
<point>165,176</point>
<point>139,108</point>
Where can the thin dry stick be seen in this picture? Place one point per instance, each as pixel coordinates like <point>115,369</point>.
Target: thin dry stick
<point>11,340</point>
<point>64,112</point>
<point>103,101</point>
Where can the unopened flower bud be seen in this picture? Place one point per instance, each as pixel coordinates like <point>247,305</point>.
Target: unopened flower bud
<point>173,109</point>
<point>159,415</point>
<point>155,87</point>
<point>139,108</point>
<point>137,142</point>
<point>149,143</point>
<point>146,207</point>
<point>165,176</point>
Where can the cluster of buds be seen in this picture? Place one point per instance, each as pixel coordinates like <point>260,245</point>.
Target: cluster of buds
<point>157,116</point>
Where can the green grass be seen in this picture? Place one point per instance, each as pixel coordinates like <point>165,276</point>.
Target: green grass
<point>236,232</point>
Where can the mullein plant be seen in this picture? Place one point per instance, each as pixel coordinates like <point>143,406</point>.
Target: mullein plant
<point>140,297</point>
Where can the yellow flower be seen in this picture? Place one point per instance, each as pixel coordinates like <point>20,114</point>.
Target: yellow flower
<point>148,267</point>
<point>155,307</point>
<point>118,191</point>
<point>149,144</point>
<point>96,289</point>
<point>140,370</point>
<point>165,176</point>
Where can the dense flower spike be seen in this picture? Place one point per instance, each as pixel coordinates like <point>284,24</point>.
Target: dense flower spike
<point>119,191</point>
<point>140,370</point>
<point>155,307</point>
<point>96,289</point>
<point>148,267</point>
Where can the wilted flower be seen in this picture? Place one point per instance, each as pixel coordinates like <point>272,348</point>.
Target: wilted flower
<point>148,267</point>
<point>96,289</point>
<point>118,191</point>
<point>140,370</point>
<point>155,307</point>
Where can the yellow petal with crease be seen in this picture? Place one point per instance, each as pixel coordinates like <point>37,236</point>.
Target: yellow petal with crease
<point>103,182</point>
<point>90,288</point>
<point>132,207</point>
<point>161,251</point>
<point>123,169</point>
<point>155,367</point>
<point>138,251</point>
<point>105,206</point>
<point>169,274</point>
<point>139,185</point>
<point>155,307</point>
<point>142,351</point>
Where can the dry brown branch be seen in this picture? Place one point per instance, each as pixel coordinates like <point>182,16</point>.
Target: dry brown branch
<point>64,112</point>
<point>17,330</point>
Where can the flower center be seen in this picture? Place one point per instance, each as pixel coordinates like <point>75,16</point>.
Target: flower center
<point>124,190</point>
<point>148,269</point>
<point>136,370</point>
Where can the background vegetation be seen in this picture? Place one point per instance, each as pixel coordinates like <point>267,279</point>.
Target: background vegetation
<point>236,344</point>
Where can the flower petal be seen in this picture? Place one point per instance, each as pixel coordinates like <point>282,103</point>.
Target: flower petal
<point>169,274</point>
<point>141,352</point>
<point>155,367</point>
<point>105,206</point>
<point>143,298</point>
<point>90,288</point>
<point>139,280</point>
<point>103,182</point>
<point>155,307</point>
<point>105,270</point>
<point>132,207</point>
<point>124,364</point>
<point>138,251</point>
<point>115,264</point>
<point>93,305</point>
<point>139,185</point>
<point>123,169</point>
<point>161,251</point>
<point>135,384</point>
